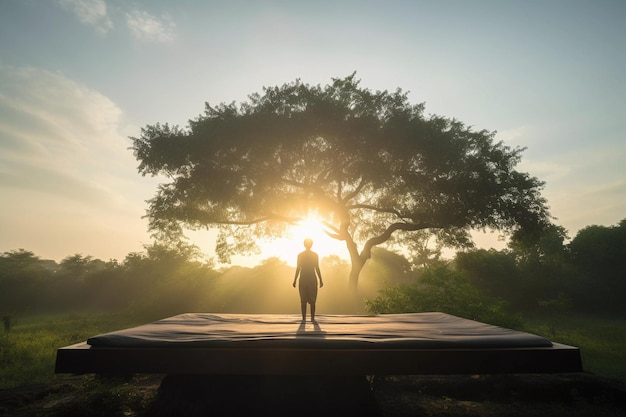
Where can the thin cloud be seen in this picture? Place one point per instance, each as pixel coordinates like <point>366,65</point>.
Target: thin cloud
<point>143,25</point>
<point>90,12</point>
<point>67,180</point>
<point>57,136</point>
<point>146,27</point>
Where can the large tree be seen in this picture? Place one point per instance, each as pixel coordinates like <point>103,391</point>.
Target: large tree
<point>372,164</point>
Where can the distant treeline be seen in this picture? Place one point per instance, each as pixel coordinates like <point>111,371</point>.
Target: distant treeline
<point>587,274</point>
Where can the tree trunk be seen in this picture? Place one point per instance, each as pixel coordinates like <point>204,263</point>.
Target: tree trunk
<point>353,279</point>
<point>357,265</point>
<point>358,261</point>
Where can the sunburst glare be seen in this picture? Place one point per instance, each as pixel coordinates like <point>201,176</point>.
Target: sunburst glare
<point>288,247</point>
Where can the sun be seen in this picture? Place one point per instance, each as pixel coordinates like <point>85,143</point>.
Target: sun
<point>311,227</point>
<point>288,247</point>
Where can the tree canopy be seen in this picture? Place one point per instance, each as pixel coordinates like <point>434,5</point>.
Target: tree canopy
<point>599,253</point>
<point>373,165</point>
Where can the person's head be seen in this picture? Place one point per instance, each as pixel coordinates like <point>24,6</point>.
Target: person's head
<point>308,242</point>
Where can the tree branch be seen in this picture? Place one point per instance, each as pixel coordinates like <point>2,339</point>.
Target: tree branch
<point>366,253</point>
<point>323,176</point>
<point>293,183</point>
<point>378,209</point>
<point>289,220</point>
<point>334,232</point>
<point>339,189</point>
<point>355,192</point>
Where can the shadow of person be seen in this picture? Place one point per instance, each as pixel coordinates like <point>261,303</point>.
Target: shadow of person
<point>311,329</point>
<point>317,327</point>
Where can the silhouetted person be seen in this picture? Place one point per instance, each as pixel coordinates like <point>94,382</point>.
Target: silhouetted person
<point>309,270</point>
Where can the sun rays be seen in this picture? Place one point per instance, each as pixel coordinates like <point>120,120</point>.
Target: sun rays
<point>288,246</point>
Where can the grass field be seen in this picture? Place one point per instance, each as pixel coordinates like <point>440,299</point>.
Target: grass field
<point>602,340</point>
<point>28,350</point>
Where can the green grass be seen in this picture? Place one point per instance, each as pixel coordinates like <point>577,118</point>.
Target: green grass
<point>602,340</point>
<point>28,350</point>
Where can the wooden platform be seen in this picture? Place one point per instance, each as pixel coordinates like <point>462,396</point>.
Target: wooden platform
<point>410,344</point>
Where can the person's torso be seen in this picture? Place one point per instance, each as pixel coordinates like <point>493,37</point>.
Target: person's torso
<point>308,262</point>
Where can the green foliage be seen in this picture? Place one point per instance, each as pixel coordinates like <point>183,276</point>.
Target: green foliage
<point>169,279</point>
<point>599,253</point>
<point>22,274</point>
<point>28,352</point>
<point>386,263</point>
<point>7,322</point>
<point>426,246</point>
<point>371,163</point>
<point>556,310</point>
<point>441,288</point>
<point>546,244</point>
<point>601,339</point>
<point>535,269</point>
<point>78,265</point>
<point>494,273</point>
<point>545,272</point>
<point>166,280</point>
<point>168,276</point>
<point>169,285</point>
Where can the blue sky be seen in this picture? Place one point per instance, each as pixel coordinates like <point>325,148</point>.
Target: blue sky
<point>78,77</point>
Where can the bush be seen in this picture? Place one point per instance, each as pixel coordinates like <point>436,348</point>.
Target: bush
<point>440,288</point>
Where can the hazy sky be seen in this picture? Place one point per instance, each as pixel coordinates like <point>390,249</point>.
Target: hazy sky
<point>77,77</point>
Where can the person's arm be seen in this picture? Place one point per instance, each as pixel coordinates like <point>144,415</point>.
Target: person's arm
<point>317,269</point>
<point>295,277</point>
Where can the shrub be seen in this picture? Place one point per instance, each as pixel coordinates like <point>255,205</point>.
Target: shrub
<point>440,288</point>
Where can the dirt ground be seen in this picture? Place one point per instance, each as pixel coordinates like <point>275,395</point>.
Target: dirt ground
<point>558,395</point>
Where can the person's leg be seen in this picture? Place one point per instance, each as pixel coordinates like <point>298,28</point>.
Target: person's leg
<point>312,311</point>
<point>303,299</point>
